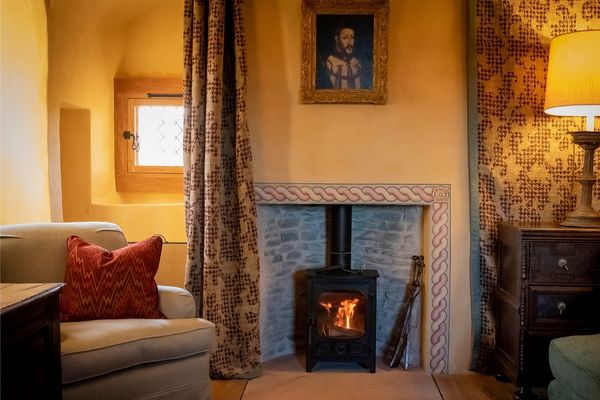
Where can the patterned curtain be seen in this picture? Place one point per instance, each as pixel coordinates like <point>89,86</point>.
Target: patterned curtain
<point>222,268</point>
<point>526,163</point>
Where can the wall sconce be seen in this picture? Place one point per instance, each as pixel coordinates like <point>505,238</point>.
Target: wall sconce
<point>573,89</point>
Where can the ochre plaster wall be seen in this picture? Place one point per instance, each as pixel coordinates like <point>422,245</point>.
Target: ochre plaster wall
<point>90,44</point>
<point>420,136</point>
<point>23,112</point>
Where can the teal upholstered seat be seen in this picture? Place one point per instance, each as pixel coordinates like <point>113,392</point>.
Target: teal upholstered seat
<point>575,364</point>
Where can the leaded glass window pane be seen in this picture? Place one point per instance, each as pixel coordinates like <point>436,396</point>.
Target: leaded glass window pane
<point>160,135</point>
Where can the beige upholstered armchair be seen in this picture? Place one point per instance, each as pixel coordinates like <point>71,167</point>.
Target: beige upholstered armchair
<point>114,358</point>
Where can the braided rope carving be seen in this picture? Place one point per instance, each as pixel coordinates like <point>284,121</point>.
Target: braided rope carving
<point>311,194</point>
<point>435,196</point>
<point>439,288</point>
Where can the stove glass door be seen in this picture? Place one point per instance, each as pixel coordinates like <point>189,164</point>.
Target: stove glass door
<point>341,314</point>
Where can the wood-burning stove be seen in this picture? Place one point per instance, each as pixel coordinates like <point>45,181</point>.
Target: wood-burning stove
<point>341,317</point>
<point>342,303</point>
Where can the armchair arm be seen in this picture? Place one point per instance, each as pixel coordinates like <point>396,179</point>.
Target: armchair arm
<point>175,302</point>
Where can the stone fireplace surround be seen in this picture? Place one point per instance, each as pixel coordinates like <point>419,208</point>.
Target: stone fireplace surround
<point>435,200</point>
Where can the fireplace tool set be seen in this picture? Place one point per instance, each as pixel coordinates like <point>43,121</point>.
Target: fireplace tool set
<point>412,292</point>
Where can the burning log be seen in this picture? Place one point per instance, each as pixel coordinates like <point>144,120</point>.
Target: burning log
<point>338,331</point>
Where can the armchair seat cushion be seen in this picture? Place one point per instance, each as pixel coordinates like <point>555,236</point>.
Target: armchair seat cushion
<point>98,347</point>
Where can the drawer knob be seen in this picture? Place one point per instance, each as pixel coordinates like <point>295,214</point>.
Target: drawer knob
<point>563,264</point>
<point>562,306</point>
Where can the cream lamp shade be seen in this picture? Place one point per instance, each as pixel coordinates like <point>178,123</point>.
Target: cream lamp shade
<point>573,81</point>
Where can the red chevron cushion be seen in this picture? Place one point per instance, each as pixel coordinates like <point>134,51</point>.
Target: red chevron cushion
<point>100,284</point>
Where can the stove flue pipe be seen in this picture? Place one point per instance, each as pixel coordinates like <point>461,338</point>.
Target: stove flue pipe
<point>341,235</point>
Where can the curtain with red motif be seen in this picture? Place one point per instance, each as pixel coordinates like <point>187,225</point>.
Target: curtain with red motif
<point>222,269</point>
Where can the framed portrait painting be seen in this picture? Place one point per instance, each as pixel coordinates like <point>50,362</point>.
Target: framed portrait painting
<point>344,51</point>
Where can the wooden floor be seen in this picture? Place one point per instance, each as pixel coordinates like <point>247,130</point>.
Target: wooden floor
<point>228,389</point>
<point>450,387</point>
<point>472,387</point>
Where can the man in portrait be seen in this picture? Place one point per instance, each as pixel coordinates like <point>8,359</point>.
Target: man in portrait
<point>342,67</point>
<point>339,66</point>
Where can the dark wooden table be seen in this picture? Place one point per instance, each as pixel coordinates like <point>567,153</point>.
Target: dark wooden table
<point>548,287</point>
<point>30,325</point>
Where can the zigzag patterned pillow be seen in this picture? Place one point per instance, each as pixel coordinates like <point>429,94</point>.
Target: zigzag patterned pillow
<point>100,284</point>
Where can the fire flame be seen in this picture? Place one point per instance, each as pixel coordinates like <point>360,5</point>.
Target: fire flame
<point>345,312</point>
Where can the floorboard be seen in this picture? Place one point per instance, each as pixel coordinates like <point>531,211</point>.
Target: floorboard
<point>228,389</point>
<point>473,387</point>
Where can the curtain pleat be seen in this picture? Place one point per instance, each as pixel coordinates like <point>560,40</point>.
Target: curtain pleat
<point>222,269</point>
<point>526,164</point>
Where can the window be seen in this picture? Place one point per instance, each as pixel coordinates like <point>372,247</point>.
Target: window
<point>148,135</point>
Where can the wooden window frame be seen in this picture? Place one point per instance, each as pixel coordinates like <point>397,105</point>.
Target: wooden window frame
<point>129,177</point>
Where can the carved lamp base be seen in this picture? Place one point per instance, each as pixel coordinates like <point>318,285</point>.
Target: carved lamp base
<point>584,215</point>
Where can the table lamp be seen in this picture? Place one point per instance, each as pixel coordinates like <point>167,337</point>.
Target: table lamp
<point>573,89</point>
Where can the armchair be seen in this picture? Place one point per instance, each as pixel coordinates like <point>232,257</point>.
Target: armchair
<point>575,364</point>
<point>114,358</point>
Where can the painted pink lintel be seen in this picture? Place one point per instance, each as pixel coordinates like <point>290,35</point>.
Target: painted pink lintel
<point>435,196</point>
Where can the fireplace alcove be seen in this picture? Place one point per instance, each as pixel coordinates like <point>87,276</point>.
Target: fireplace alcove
<point>430,204</point>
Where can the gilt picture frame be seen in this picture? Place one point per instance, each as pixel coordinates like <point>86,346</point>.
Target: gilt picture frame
<point>344,51</point>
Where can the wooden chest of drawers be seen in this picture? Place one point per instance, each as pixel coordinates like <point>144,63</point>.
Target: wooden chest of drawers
<point>30,333</point>
<point>548,287</point>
